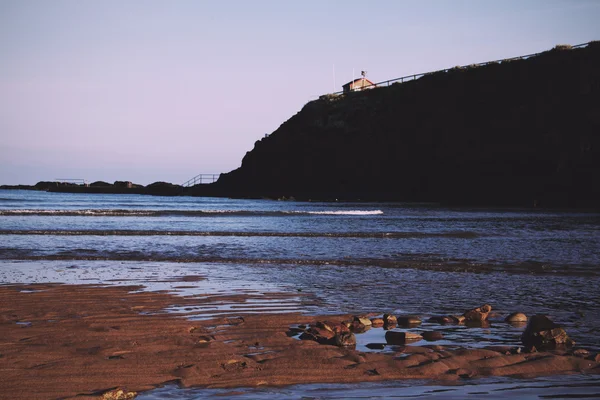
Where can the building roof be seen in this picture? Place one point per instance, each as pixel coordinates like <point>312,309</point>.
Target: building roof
<point>359,79</point>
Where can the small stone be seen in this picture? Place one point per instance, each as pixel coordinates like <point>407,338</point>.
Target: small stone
<point>345,339</point>
<point>432,336</point>
<point>396,337</point>
<point>516,317</point>
<point>581,353</point>
<point>375,346</point>
<point>118,394</point>
<point>340,328</point>
<point>359,327</point>
<point>204,339</point>
<point>464,373</point>
<point>478,314</point>
<point>597,358</point>
<point>443,319</point>
<point>408,320</point>
<point>363,320</point>
<point>390,319</point>
<point>377,321</point>
<point>326,325</point>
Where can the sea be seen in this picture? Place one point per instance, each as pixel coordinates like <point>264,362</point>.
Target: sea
<point>331,258</point>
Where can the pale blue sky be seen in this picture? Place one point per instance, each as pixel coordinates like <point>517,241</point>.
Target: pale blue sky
<point>163,90</point>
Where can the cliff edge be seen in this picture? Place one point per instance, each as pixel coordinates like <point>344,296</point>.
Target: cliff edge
<point>523,133</point>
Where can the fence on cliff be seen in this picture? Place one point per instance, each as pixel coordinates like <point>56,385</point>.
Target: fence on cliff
<point>417,76</point>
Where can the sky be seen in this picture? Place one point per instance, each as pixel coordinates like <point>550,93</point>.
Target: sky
<point>147,90</point>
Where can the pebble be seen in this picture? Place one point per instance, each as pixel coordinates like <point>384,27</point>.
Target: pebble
<point>409,320</point>
<point>395,337</point>
<point>363,320</point>
<point>516,317</point>
<point>432,336</point>
<point>390,319</point>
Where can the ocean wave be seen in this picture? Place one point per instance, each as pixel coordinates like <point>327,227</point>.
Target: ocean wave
<point>189,213</point>
<point>414,261</point>
<point>132,232</point>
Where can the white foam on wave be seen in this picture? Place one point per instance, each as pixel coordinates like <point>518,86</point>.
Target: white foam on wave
<point>347,212</point>
<point>133,213</point>
<point>101,212</point>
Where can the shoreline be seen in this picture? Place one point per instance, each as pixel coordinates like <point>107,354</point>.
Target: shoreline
<point>213,190</point>
<point>84,340</point>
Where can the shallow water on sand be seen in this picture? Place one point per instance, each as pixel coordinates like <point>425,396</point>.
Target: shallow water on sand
<point>568,387</point>
<point>332,258</point>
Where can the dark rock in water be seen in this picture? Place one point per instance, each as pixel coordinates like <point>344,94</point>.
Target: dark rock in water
<point>396,337</point>
<point>432,336</point>
<point>478,314</point>
<point>345,339</point>
<point>377,322</point>
<point>408,320</point>
<point>543,333</point>
<point>478,324</point>
<point>375,346</point>
<point>539,323</point>
<point>443,319</point>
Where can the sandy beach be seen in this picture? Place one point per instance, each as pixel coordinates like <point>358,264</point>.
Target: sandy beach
<point>65,341</point>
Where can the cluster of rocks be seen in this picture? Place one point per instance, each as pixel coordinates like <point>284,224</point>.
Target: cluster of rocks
<point>540,333</point>
<point>342,333</point>
<point>118,394</point>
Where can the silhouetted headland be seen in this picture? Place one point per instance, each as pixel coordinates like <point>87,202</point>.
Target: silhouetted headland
<point>516,133</point>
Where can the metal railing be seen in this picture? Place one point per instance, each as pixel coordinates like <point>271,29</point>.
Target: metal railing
<point>201,179</point>
<point>416,76</point>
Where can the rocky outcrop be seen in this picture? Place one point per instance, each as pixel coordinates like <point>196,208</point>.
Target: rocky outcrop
<point>118,187</point>
<point>543,333</point>
<point>524,132</point>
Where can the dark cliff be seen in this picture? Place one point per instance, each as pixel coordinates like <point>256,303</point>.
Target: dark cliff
<point>513,133</point>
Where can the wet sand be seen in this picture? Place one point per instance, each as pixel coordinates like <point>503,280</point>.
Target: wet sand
<point>62,341</point>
